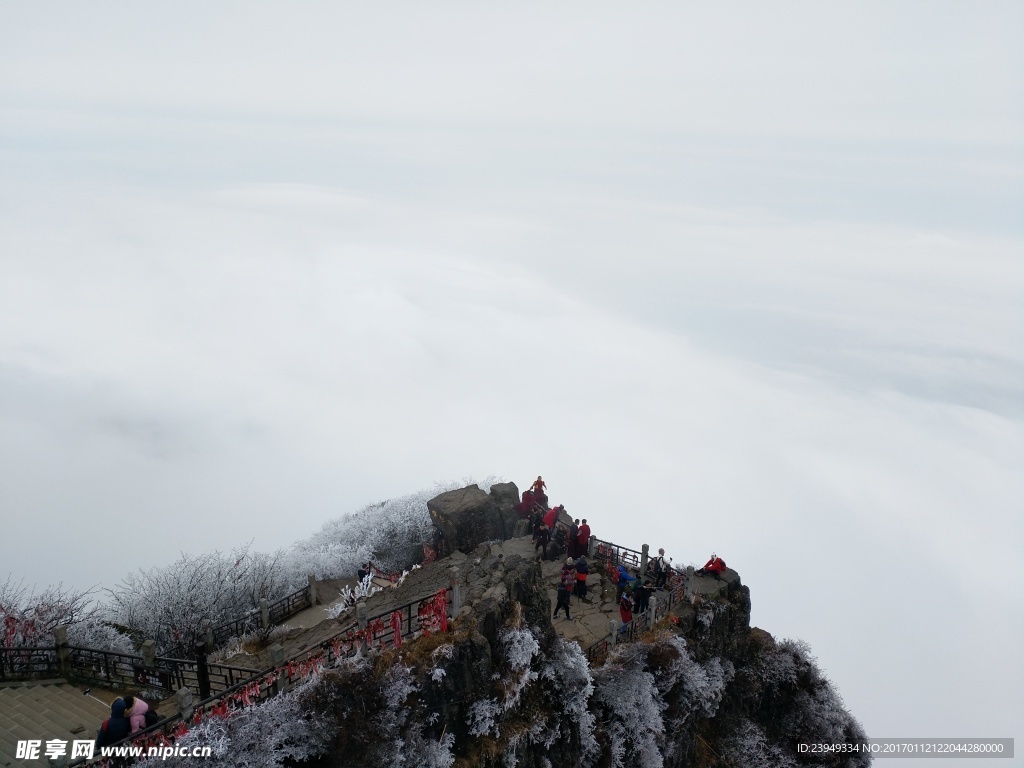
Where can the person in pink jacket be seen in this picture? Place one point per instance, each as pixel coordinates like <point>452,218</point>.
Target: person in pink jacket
<point>135,710</point>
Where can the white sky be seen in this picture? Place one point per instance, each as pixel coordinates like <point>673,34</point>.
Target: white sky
<point>745,278</point>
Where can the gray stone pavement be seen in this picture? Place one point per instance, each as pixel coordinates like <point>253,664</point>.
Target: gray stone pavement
<point>46,710</point>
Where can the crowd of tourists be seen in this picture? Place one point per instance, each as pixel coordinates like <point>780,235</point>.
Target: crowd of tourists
<point>554,533</point>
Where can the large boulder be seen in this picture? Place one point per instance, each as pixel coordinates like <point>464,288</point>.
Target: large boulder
<point>469,516</point>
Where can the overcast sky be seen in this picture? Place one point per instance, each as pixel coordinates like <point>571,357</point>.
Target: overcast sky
<point>745,279</point>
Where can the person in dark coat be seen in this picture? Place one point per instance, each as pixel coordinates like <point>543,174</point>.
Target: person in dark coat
<point>582,571</point>
<point>571,542</point>
<point>565,587</point>
<point>543,536</point>
<point>642,595</point>
<point>115,727</point>
<point>622,579</point>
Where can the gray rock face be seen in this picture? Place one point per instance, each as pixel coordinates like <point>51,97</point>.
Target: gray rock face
<point>469,516</point>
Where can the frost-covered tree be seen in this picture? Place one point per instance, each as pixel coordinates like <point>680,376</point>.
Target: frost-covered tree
<point>390,533</point>
<point>172,605</point>
<point>648,691</point>
<point>28,617</point>
<point>280,731</point>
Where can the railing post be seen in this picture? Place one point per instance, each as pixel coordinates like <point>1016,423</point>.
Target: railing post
<point>264,613</point>
<point>645,551</point>
<point>148,649</point>
<point>184,701</point>
<point>591,548</point>
<point>277,659</point>
<point>202,672</point>
<point>209,637</point>
<point>60,638</point>
<point>688,582</point>
<point>312,589</point>
<point>361,622</point>
<point>456,585</point>
<point>652,612</point>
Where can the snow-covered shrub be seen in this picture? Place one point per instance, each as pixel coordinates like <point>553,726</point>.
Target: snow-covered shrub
<point>519,648</point>
<point>697,688</point>
<point>749,747</point>
<point>93,633</point>
<point>568,678</point>
<point>390,533</point>
<point>628,697</point>
<point>28,618</point>
<point>806,706</point>
<point>172,605</point>
<point>439,654</point>
<point>280,731</point>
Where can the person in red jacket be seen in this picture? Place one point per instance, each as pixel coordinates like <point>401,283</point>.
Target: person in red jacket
<point>539,485</point>
<point>550,518</point>
<point>713,567</point>
<point>583,537</point>
<point>526,506</point>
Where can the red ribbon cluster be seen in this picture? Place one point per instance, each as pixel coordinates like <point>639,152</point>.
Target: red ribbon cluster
<point>433,617</point>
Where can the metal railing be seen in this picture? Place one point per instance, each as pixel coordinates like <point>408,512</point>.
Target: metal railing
<point>222,633</point>
<point>614,555</point>
<point>289,605</point>
<point>261,685</point>
<point>28,662</point>
<point>117,670</point>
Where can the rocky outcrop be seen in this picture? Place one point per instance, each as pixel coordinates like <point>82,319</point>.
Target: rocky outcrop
<point>469,516</point>
<point>503,688</point>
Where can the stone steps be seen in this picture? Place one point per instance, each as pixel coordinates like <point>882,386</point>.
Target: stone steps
<point>45,711</point>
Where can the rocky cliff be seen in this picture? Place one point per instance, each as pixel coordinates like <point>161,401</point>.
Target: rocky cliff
<point>503,688</point>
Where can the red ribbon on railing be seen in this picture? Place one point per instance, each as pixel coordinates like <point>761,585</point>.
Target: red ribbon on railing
<point>392,577</point>
<point>396,628</point>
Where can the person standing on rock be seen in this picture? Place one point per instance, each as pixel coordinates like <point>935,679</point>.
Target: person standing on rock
<point>622,579</point>
<point>642,596</point>
<point>565,586</point>
<point>583,537</point>
<point>536,518</point>
<point>543,536</point>
<point>538,486</point>
<point>582,571</point>
<point>625,609</point>
<point>659,569</point>
<point>551,518</point>
<point>571,542</point>
<point>526,505</point>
